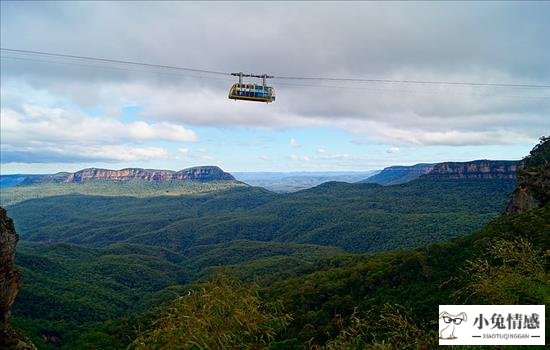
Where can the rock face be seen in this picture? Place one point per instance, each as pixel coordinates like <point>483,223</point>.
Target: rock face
<point>394,175</point>
<point>533,180</point>
<point>477,169</point>
<point>200,173</point>
<point>10,283</point>
<point>119,175</point>
<point>9,277</point>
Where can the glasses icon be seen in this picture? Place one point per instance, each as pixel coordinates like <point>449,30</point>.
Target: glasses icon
<point>448,319</point>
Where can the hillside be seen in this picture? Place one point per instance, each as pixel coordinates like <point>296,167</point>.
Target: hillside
<point>399,174</point>
<point>13,180</point>
<point>387,300</point>
<point>476,169</point>
<point>128,253</point>
<point>410,285</point>
<point>354,217</point>
<point>116,257</point>
<point>81,183</point>
<point>105,288</point>
<point>296,181</point>
<point>133,182</point>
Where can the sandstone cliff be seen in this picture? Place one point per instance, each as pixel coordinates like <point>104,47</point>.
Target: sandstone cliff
<point>477,169</point>
<point>119,175</point>
<point>200,173</point>
<point>399,174</point>
<point>10,283</point>
<point>533,180</point>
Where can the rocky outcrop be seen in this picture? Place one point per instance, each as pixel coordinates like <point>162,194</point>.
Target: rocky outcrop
<point>10,283</point>
<point>53,178</point>
<point>200,173</point>
<point>9,277</point>
<point>394,175</point>
<point>119,175</point>
<point>477,169</point>
<point>533,180</point>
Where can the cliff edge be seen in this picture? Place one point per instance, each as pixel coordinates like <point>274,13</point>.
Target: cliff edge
<point>199,173</point>
<point>10,283</point>
<point>476,169</point>
<point>533,180</point>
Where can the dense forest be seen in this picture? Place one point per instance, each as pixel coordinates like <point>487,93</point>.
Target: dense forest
<point>386,300</point>
<point>133,188</point>
<point>334,267</point>
<point>353,217</point>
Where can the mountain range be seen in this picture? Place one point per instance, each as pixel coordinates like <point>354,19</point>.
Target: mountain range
<point>284,182</point>
<point>399,174</point>
<point>320,252</point>
<point>476,169</point>
<point>277,182</point>
<point>200,173</point>
<point>134,182</point>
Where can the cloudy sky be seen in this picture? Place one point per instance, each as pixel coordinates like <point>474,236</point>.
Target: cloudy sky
<point>61,114</point>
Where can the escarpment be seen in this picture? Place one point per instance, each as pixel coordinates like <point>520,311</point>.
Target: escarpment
<point>533,180</point>
<point>10,284</point>
<point>199,173</point>
<point>477,169</point>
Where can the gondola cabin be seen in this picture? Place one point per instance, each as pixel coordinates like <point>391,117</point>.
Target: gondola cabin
<point>252,92</point>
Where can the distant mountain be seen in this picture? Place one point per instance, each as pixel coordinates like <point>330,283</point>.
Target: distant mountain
<point>12,180</point>
<point>127,253</point>
<point>96,263</point>
<point>399,174</point>
<point>22,179</point>
<point>477,169</point>
<point>353,217</point>
<point>284,182</point>
<point>132,182</point>
<point>502,263</point>
<point>199,173</point>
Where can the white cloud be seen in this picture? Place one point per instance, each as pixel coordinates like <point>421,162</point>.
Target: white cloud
<point>410,117</point>
<point>294,143</point>
<point>392,150</point>
<point>295,157</point>
<point>41,124</point>
<point>264,157</point>
<point>321,151</point>
<point>453,137</point>
<point>183,150</point>
<point>169,101</point>
<point>71,153</point>
<point>39,133</point>
<point>125,153</point>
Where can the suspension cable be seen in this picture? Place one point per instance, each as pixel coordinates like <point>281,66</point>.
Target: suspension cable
<point>331,79</point>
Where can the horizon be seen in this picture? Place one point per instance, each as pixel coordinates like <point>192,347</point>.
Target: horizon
<point>69,114</point>
<point>266,171</point>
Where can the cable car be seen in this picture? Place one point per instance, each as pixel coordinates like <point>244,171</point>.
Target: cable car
<point>252,92</point>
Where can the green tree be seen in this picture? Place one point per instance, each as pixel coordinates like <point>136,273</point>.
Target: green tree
<point>509,272</point>
<point>221,314</point>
